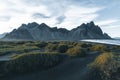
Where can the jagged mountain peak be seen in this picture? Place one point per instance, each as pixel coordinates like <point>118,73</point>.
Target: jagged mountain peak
<point>23,25</point>
<point>92,23</point>
<point>43,26</point>
<point>64,30</point>
<point>33,24</point>
<point>29,25</point>
<point>106,35</point>
<point>54,28</point>
<point>34,31</point>
<point>86,26</point>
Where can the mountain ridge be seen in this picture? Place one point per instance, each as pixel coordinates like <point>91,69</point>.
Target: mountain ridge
<point>35,31</point>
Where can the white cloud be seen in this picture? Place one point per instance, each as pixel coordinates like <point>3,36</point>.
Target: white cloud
<point>83,10</point>
<point>4,18</point>
<point>113,31</point>
<point>74,12</point>
<point>78,15</point>
<point>107,22</point>
<point>20,12</point>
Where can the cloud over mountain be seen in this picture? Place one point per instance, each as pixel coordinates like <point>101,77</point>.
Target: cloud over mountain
<point>39,15</point>
<point>62,13</point>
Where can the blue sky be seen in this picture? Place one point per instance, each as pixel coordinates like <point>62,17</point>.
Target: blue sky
<point>61,13</point>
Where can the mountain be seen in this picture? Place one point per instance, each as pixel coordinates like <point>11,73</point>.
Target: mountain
<point>2,35</point>
<point>34,31</point>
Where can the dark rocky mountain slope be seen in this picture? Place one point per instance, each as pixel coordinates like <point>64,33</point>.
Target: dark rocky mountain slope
<point>34,31</point>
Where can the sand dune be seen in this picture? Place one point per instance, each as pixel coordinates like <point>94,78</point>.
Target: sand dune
<point>71,69</point>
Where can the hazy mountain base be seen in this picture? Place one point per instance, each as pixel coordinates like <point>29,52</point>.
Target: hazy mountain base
<point>74,65</point>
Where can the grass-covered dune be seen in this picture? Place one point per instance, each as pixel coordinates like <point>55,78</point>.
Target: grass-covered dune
<point>29,62</point>
<point>35,56</point>
<point>59,47</point>
<point>106,66</point>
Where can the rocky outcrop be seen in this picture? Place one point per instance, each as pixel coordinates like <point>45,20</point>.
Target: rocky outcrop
<point>34,31</point>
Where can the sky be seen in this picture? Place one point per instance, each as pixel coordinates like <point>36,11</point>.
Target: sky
<point>61,13</point>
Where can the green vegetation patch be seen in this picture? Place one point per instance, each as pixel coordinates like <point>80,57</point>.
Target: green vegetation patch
<point>28,62</point>
<point>76,51</point>
<point>100,47</point>
<point>106,67</point>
